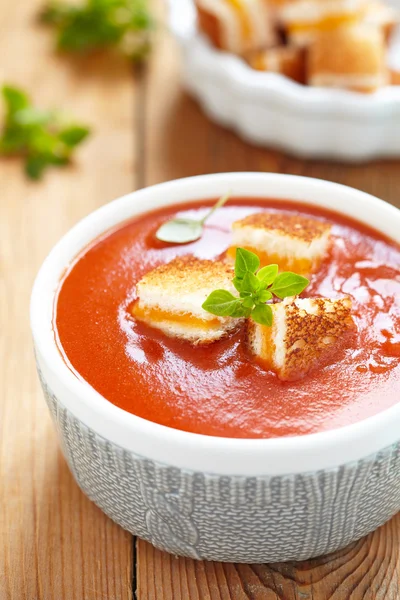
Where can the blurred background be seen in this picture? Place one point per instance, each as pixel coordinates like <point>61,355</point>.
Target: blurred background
<point>94,126</point>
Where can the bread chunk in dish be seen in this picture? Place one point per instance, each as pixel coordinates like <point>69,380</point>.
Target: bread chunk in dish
<point>237,25</point>
<point>303,20</point>
<point>170,298</point>
<point>293,242</point>
<point>350,57</point>
<point>302,333</point>
<point>285,60</point>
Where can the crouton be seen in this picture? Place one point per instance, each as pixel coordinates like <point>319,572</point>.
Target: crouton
<point>353,58</point>
<point>236,25</point>
<point>304,20</point>
<point>302,333</point>
<point>285,60</point>
<point>293,242</point>
<point>170,298</point>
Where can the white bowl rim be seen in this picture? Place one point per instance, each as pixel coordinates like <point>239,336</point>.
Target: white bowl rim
<point>223,456</point>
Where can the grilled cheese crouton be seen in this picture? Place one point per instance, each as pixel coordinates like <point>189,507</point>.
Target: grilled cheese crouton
<point>170,298</point>
<point>306,19</point>
<point>285,60</point>
<point>353,58</point>
<point>302,333</point>
<point>293,242</point>
<point>236,25</point>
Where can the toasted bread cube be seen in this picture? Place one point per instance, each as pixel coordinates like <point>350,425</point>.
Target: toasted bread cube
<point>395,77</point>
<point>236,25</point>
<point>353,58</point>
<point>293,242</point>
<point>170,298</point>
<point>285,60</point>
<point>304,20</point>
<point>302,333</point>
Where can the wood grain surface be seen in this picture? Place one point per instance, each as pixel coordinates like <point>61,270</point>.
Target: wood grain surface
<point>54,543</point>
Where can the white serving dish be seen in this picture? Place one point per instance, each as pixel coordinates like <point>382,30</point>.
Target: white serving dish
<point>270,110</point>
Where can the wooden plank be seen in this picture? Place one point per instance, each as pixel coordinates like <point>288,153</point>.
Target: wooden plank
<point>55,544</point>
<point>180,142</point>
<point>367,570</point>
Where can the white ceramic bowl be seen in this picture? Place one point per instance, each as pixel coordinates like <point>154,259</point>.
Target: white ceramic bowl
<point>285,499</point>
<point>271,110</point>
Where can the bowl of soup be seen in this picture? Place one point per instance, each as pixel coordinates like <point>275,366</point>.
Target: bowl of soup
<point>224,438</point>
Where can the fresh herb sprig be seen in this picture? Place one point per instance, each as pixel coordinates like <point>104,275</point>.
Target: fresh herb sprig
<point>184,230</point>
<point>100,24</point>
<point>41,137</point>
<point>256,287</point>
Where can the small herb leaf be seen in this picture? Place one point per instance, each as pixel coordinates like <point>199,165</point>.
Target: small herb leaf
<point>221,303</point>
<point>100,24</point>
<point>240,312</point>
<point>180,231</point>
<point>36,134</point>
<point>267,275</point>
<point>183,231</point>
<point>264,296</point>
<point>262,314</point>
<point>14,98</point>
<point>289,284</point>
<point>74,135</point>
<point>35,165</point>
<point>246,262</point>
<point>248,302</point>
<point>237,282</point>
<point>250,283</point>
<point>252,287</point>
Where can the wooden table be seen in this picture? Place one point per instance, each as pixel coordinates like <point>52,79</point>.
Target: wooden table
<point>54,543</point>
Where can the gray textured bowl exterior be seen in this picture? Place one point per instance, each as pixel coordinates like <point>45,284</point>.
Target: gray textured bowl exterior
<point>232,519</point>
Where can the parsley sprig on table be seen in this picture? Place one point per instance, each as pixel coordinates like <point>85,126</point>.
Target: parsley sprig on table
<point>99,24</point>
<point>256,287</point>
<point>41,137</point>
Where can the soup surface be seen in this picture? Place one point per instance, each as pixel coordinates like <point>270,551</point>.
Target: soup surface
<point>218,389</point>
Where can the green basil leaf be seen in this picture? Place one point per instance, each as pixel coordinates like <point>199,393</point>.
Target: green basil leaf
<point>31,117</point>
<point>221,303</point>
<point>245,262</point>
<point>180,231</point>
<point>250,283</point>
<point>245,294</point>
<point>240,312</point>
<point>262,314</point>
<point>264,296</point>
<point>267,275</point>
<point>15,99</point>
<point>35,165</point>
<point>237,282</point>
<point>289,284</point>
<point>74,135</point>
<point>248,302</point>
<point>13,140</point>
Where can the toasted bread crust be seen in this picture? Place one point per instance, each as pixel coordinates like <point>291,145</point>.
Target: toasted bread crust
<point>303,332</point>
<point>285,60</point>
<point>358,50</point>
<point>298,227</point>
<point>308,336</point>
<point>187,274</point>
<point>210,26</point>
<point>170,298</point>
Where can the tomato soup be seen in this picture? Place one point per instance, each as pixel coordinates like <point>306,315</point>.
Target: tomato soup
<point>218,389</point>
